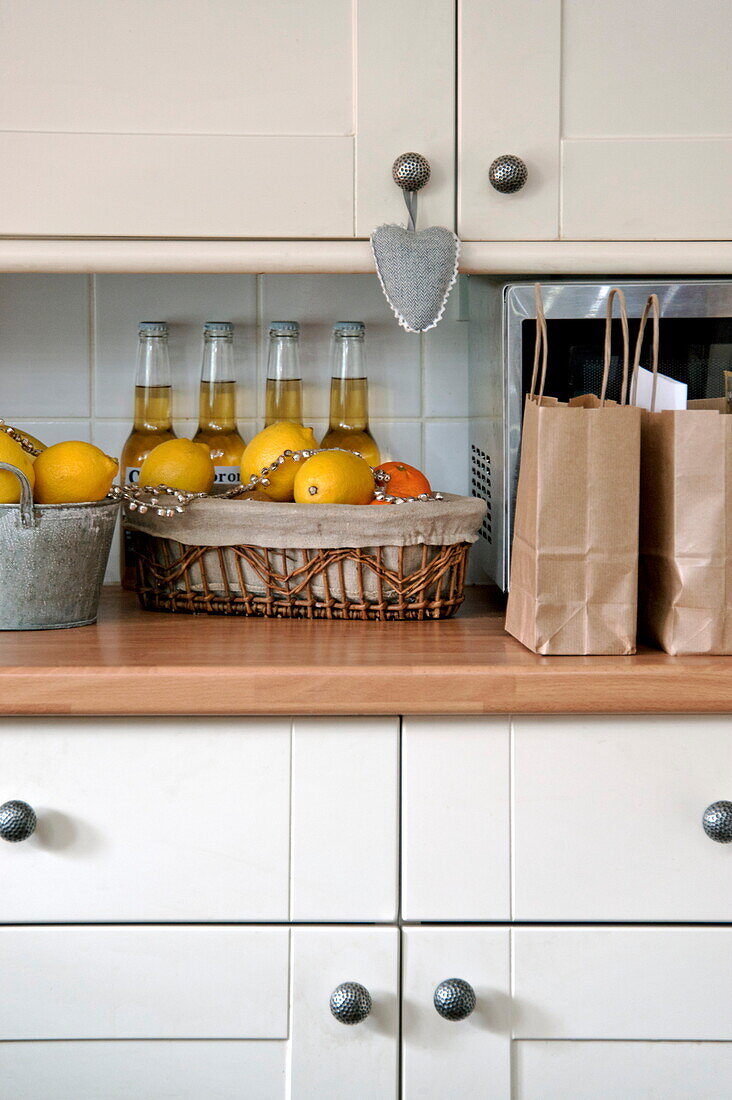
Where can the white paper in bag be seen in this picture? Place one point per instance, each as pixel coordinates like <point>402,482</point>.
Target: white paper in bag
<point>670,394</point>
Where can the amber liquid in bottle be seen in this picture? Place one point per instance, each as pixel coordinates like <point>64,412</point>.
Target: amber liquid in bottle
<point>283,400</point>
<point>217,428</point>
<point>217,404</point>
<point>283,392</point>
<point>349,396</point>
<point>153,424</point>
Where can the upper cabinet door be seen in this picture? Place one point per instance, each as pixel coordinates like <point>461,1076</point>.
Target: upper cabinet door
<point>622,114</point>
<point>221,118</point>
<point>509,66</point>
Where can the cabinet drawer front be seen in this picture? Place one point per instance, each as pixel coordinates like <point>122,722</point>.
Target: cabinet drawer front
<point>622,983</point>
<point>148,820</point>
<point>116,982</point>
<point>210,820</point>
<point>608,819</point>
<point>160,1070</point>
<point>620,1071</point>
<point>264,991</point>
<point>455,819</point>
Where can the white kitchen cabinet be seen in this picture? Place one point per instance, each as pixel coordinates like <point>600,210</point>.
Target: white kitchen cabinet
<point>201,819</point>
<point>455,819</point>
<point>264,990</point>
<point>568,1012</point>
<point>221,119</point>
<point>607,818</point>
<point>469,1058</point>
<point>622,115</point>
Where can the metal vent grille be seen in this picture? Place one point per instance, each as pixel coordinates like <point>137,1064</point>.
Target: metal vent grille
<point>481,486</point>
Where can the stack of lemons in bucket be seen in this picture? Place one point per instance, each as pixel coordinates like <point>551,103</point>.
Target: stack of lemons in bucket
<point>67,473</point>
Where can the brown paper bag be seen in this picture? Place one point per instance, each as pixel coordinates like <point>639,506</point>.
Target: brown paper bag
<point>575,547</point>
<point>685,571</point>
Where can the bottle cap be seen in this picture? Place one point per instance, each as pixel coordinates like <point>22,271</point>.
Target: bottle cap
<point>218,328</point>
<point>284,328</point>
<point>153,328</point>
<point>349,328</point>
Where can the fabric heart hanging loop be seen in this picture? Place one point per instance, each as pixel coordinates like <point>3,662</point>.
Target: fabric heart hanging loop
<point>417,270</point>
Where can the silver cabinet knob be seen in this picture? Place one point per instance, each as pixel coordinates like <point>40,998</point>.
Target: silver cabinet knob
<point>717,821</point>
<point>350,1002</point>
<point>17,820</point>
<point>508,174</point>
<point>454,999</point>
<point>411,171</point>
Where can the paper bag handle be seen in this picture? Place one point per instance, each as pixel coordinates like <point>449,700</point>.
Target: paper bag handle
<point>651,304</point>
<point>541,346</point>
<point>615,292</point>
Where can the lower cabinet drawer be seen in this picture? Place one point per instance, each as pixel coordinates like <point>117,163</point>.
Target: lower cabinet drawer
<point>224,1011</point>
<point>607,819</point>
<point>570,1013</point>
<point>201,820</point>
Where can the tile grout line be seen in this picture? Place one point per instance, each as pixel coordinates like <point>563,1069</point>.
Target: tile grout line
<point>91,304</point>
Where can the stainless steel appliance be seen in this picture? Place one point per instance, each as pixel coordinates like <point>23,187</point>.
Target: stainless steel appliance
<point>696,348</point>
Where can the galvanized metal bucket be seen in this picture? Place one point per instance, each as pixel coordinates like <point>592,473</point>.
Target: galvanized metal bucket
<point>52,560</point>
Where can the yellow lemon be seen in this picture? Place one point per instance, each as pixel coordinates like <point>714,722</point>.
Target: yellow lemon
<point>32,440</point>
<point>334,477</point>
<point>73,473</point>
<point>12,453</point>
<point>269,444</point>
<point>181,464</point>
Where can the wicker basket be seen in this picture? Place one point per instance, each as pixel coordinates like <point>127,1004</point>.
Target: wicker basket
<point>413,581</point>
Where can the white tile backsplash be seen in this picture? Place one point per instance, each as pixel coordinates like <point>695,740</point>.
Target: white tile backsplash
<point>185,302</point>
<point>68,345</point>
<point>445,377</point>
<point>393,356</point>
<point>44,346</point>
<point>446,449</point>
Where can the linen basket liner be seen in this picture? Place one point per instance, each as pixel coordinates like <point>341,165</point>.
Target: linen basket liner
<point>212,522</point>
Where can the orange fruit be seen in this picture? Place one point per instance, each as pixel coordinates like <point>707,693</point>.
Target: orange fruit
<point>404,480</point>
<point>380,502</point>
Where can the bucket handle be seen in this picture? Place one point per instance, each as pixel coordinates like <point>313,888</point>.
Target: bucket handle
<point>27,515</point>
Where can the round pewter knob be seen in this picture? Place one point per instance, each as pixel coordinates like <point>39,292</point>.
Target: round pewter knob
<point>508,174</point>
<point>717,822</point>
<point>454,999</point>
<point>411,171</point>
<point>350,1002</point>
<point>17,820</point>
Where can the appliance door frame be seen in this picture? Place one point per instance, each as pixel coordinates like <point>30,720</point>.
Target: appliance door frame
<point>583,300</point>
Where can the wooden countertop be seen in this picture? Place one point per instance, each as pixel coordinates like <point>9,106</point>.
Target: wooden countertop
<point>137,662</point>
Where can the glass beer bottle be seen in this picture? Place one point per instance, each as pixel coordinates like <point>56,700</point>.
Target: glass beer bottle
<point>217,406</point>
<point>349,394</point>
<point>283,393</point>
<point>153,422</point>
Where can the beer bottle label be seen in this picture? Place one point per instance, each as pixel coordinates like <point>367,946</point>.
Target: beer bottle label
<point>226,476</point>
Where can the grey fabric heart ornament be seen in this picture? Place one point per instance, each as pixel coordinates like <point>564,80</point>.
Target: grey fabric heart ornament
<point>417,271</point>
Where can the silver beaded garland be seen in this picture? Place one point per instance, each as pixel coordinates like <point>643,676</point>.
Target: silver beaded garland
<point>143,498</point>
